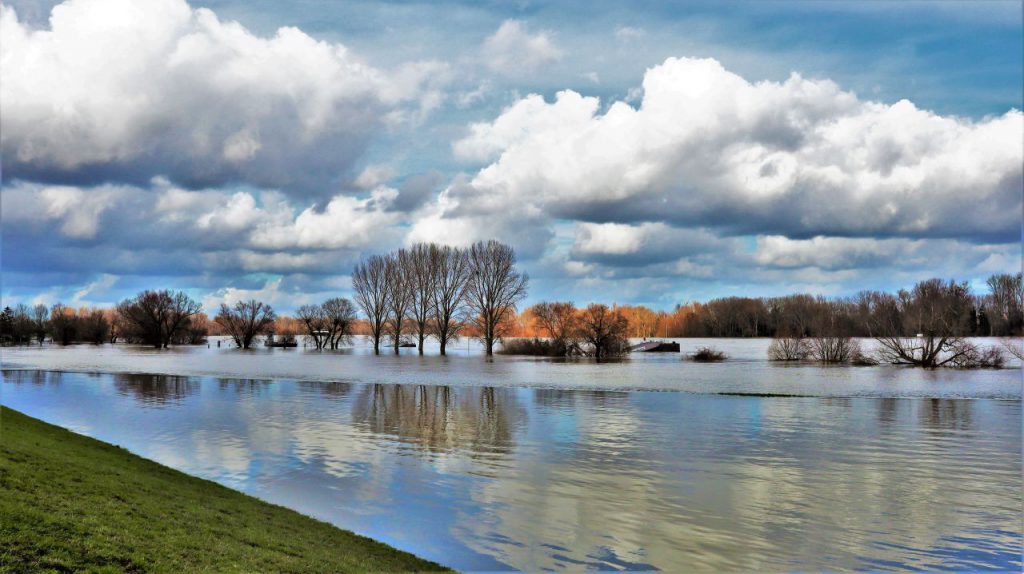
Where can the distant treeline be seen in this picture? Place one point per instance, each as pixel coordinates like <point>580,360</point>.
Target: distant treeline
<point>997,313</point>
<point>443,292</point>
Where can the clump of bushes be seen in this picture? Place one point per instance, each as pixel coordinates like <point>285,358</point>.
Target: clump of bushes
<point>788,349</point>
<point>535,347</point>
<point>834,349</point>
<point>707,355</point>
<point>859,359</point>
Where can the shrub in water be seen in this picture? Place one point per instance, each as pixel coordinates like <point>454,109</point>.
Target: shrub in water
<point>708,355</point>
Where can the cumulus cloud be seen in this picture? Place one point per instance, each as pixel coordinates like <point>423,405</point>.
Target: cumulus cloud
<point>797,158</point>
<point>133,229</point>
<point>513,50</point>
<point>123,90</point>
<point>642,244</point>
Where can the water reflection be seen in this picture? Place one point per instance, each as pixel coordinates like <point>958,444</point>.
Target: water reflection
<point>490,478</point>
<point>245,386</point>
<point>436,418</point>
<point>154,390</point>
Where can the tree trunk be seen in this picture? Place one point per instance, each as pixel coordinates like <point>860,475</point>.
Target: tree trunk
<point>444,343</point>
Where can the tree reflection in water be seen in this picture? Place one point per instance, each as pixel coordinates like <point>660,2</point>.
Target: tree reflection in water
<point>245,386</point>
<point>155,390</point>
<point>480,421</point>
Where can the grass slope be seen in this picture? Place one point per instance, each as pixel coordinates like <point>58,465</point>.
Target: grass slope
<point>69,503</point>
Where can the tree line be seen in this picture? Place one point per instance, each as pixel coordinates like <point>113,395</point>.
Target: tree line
<point>999,312</point>
<point>439,291</point>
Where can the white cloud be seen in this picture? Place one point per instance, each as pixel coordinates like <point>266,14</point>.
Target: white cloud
<point>513,50</point>
<point>614,238</point>
<point>78,212</point>
<point>374,175</point>
<point>157,86</point>
<point>346,222</point>
<point>628,33</point>
<point>800,157</point>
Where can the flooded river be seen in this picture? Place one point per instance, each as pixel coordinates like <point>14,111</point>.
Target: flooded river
<point>532,465</point>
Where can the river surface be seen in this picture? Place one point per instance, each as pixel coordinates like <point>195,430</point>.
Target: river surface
<point>560,467</point>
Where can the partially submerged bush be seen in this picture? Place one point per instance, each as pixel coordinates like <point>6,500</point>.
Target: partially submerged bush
<point>833,349</point>
<point>538,347</point>
<point>788,349</point>
<point>708,355</point>
<point>970,356</point>
<point>859,359</point>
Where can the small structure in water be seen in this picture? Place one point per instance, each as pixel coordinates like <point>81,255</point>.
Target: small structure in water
<point>655,347</point>
<point>286,341</point>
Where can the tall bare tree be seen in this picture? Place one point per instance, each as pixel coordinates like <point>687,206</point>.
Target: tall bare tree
<point>421,275</point>
<point>246,320</point>
<point>369,281</point>
<point>451,271</point>
<point>401,293</point>
<point>494,287</point>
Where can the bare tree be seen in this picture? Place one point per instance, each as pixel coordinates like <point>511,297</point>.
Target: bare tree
<point>421,274</point>
<point>246,320</point>
<point>94,327</point>
<point>604,329</point>
<point>158,317</point>
<point>40,321</point>
<point>1005,304</point>
<point>398,279</point>
<point>369,281</point>
<point>561,323</point>
<point>314,319</point>
<point>451,271</point>
<point>63,324</point>
<point>493,289</point>
<point>339,314</point>
<point>923,327</point>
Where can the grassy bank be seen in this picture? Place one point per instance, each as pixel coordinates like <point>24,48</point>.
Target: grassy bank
<point>72,503</point>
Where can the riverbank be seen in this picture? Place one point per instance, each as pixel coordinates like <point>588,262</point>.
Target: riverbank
<point>72,503</point>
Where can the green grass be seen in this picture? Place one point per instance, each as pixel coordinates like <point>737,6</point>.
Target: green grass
<point>69,503</point>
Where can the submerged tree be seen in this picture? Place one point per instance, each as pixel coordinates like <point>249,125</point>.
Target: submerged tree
<point>369,282</point>
<point>421,274</point>
<point>604,329</point>
<point>40,322</point>
<point>63,324</point>
<point>451,271</point>
<point>560,321</point>
<point>398,276</point>
<point>158,317</point>
<point>339,315</point>
<point>493,289</point>
<point>245,321</point>
<point>314,320</point>
<point>925,325</point>
<point>94,327</point>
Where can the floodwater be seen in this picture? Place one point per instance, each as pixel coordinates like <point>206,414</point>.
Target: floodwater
<point>746,371</point>
<point>560,468</point>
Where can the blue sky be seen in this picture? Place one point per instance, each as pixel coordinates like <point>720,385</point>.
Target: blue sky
<point>633,153</point>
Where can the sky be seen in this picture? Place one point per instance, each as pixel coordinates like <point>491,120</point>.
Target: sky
<point>632,153</point>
